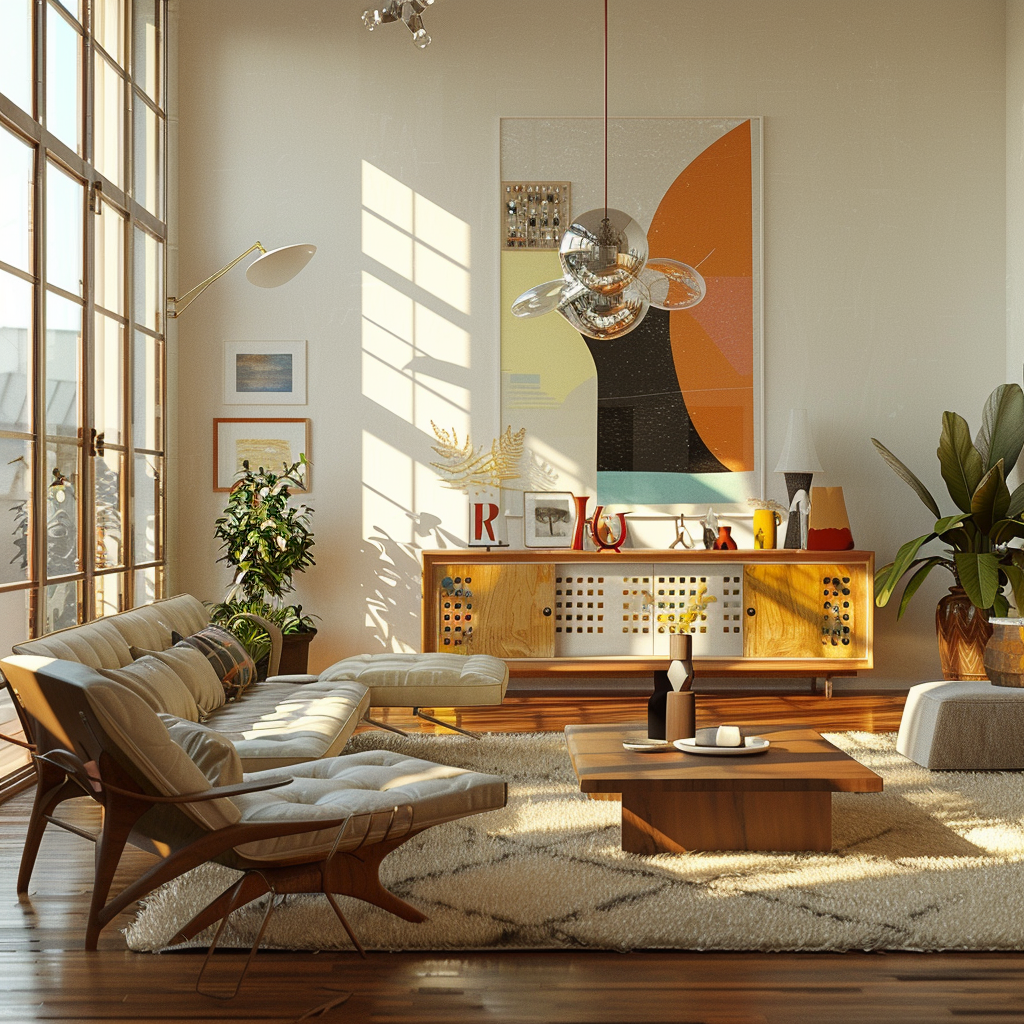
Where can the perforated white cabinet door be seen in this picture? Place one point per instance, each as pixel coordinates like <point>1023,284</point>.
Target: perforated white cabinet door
<point>601,614</point>
<point>718,630</point>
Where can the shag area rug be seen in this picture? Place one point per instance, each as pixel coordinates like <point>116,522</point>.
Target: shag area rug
<point>935,862</point>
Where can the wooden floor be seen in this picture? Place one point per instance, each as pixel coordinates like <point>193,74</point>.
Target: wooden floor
<point>46,976</point>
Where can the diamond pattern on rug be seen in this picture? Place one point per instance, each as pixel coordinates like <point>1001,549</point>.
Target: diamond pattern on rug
<point>935,861</point>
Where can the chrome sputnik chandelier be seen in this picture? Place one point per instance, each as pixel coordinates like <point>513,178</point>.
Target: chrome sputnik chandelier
<point>408,11</point>
<point>608,281</point>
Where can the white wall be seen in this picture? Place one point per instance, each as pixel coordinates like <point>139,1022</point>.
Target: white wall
<point>885,244</point>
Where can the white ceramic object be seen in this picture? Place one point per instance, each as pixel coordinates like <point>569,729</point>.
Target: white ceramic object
<point>647,746</point>
<point>751,745</point>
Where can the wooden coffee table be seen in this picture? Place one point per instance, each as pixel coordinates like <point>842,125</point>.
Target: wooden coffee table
<point>674,802</point>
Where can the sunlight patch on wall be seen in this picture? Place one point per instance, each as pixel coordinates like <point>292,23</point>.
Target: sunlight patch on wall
<point>440,339</point>
<point>387,245</point>
<point>441,277</point>
<point>387,196</point>
<point>416,238</point>
<point>442,230</point>
<point>387,489</point>
<point>388,307</point>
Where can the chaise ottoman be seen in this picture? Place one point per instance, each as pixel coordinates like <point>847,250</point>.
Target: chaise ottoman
<point>424,680</point>
<point>963,725</point>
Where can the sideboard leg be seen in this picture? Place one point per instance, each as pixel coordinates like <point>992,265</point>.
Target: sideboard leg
<point>828,686</point>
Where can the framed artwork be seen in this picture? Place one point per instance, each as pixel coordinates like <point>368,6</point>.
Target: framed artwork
<point>549,518</point>
<point>670,414</point>
<point>264,373</point>
<point>272,443</point>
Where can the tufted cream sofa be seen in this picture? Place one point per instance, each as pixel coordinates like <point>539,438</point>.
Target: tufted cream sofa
<point>284,720</point>
<point>274,724</point>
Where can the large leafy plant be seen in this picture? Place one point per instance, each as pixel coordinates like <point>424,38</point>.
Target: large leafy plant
<point>978,536</point>
<point>266,540</point>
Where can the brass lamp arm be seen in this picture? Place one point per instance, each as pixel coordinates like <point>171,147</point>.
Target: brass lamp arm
<point>176,306</point>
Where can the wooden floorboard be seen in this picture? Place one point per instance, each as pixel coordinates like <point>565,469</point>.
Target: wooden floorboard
<point>46,975</point>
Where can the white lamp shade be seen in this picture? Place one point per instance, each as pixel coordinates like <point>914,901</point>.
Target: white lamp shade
<point>279,266</point>
<point>798,454</point>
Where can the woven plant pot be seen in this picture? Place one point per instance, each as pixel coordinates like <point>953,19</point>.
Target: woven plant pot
<point>962,631</point>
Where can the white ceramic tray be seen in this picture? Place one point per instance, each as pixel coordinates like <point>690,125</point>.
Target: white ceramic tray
<point>751,745</point>
<point>647,746</point>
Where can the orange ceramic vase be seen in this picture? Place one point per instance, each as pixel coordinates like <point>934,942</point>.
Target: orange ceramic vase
<point>963,631</point>
<point>724,541</point>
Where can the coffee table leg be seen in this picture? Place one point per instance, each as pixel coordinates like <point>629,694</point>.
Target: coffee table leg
<point>665,822</point>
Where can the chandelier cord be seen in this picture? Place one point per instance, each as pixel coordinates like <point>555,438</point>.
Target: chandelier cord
<point>605,109</point>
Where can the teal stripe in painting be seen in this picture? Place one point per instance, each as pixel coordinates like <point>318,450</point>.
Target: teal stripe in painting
<point>670,488</point>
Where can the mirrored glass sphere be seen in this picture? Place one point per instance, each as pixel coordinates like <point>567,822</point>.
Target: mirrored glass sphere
<point>604,317</point>
<point>671,284</point>
<point>603,253</point>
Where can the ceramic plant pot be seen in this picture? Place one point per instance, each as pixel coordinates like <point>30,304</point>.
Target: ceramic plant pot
<point>1004,653</point>
<point>962,631</point>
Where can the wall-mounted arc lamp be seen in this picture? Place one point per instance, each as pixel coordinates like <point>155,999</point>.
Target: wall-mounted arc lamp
<point>271,268</point>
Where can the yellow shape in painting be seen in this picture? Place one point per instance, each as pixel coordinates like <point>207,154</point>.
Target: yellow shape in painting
<point>543,345</point>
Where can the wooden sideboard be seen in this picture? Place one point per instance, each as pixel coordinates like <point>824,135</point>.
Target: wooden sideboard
<point>545,612</point>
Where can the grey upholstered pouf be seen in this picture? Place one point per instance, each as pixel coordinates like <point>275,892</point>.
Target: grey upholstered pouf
<point>963,725</point>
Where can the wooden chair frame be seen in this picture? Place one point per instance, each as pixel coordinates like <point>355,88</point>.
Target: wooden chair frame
<point>89,762</point>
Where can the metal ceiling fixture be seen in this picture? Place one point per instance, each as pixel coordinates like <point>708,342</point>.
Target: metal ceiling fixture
<point>408,11</point>
<point>608,282</point>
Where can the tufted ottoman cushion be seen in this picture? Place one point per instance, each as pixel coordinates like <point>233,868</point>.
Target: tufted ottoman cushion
<point>425,680</point>
<point>374,781</point>
<point>963,725</point>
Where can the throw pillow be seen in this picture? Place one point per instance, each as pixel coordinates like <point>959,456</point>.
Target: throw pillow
<point>157,684</point>
<point>213,754</point>
<point>194,670</point>
<point>226,654</point>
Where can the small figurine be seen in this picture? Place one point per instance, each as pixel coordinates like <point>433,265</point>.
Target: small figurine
<point>710,529</point>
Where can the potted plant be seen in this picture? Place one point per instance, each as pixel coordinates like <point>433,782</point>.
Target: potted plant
<point>266,540</point>
<point>977,536</point>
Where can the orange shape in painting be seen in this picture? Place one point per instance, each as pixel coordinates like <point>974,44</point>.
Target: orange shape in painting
<point>707,209</point>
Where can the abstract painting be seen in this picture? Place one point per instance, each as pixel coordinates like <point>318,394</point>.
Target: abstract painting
<point>271,443</point>
<point>671,413</point>
<point>265,373</point>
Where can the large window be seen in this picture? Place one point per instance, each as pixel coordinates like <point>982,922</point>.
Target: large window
<point>82,305</point>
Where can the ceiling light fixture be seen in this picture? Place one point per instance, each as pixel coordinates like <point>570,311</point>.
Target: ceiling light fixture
<point>271,268</point>
<point>608,282</point>
<point>409,11</point>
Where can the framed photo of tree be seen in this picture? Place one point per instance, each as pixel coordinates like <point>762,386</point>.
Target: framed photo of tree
<point>549,518</point>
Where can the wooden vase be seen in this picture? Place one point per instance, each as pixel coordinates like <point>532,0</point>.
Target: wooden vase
<point>1004,653</point>
<point>962,631</point>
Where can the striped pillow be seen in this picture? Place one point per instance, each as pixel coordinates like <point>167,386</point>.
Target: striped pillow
<point>226,654</point>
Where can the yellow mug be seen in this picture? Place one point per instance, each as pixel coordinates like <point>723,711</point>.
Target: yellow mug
<point>765,524</point>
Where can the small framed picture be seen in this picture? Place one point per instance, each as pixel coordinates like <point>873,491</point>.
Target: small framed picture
<point>549,518</point>
<point>264,373</point>
<point>271,443</point>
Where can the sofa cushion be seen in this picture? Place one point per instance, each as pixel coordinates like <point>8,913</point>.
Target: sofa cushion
<point>425,680</point>
<point>213,754</point>
<point>133,726</point>
<point>105,642</point>
<point>277,724</point>
<point>227,654</point>
<point>374,781</point>
<point>157,684</point>
<point>193,668</point>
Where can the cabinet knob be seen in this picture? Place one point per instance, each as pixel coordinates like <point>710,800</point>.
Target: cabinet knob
<point>547,611</point>
<point>751,611</point>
